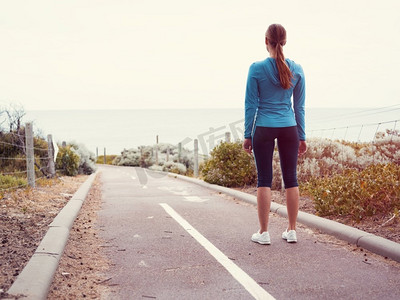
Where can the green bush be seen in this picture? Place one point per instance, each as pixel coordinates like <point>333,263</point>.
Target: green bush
<point>67,161</point>
<point>229,166</point>
<point>7,181</point>
<point>375,190</point>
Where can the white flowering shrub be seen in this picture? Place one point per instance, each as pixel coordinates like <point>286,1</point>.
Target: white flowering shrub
<point>156,168</point>
<point>167,158</point>
<point>174,167</point>
<point>128,157</point>
<point>87,159</point>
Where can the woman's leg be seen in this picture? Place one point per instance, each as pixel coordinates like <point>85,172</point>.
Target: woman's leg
<point>292,203</point>
<point>263,207</point>
<point>288,145</point>
<point>263,149</point>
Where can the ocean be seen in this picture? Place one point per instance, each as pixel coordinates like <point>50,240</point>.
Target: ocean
<point>115,130</point>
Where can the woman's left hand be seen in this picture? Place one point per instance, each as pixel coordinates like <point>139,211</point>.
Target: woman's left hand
<point>302,148</point>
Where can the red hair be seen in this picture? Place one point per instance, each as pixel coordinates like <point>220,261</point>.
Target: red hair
<point>276,36</point>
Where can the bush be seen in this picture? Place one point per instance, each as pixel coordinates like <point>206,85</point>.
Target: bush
<point>86,159</point>
<point>130,157</point>
<point>229,166</point>
<point>67,161</point>
<point>144,156</point>
<point>7,181</point>
<point>174,167</point>
<point>375,190</point>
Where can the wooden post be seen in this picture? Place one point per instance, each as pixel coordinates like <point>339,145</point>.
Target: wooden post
<point>196,158</point>
<point>156,150</point>
<point>227,137</point>
<point>211,141</point>
<point>30,158</point>
<point>167,153</point>
<point>105,158</point>
<point>179,152</point>
<point>50,149</point>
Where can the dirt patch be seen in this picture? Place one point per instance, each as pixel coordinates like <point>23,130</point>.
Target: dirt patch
<point>80,273</point>
<point>386,227</point>
<point>24,218</point>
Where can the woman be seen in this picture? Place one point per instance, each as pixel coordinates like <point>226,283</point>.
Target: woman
<point>269,115</point>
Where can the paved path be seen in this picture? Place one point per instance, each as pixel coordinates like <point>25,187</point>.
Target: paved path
<point>171,239</point>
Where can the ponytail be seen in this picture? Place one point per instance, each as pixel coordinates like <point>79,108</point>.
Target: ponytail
<point>276,35</point>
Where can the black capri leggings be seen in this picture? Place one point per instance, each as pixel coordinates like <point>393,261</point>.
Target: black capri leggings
<point>263,148</point>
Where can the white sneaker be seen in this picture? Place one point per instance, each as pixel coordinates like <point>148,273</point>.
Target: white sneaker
<point>261,238</point>
<point>290,236</point>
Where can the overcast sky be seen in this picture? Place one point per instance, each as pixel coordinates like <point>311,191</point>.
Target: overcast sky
<point>114,54</point>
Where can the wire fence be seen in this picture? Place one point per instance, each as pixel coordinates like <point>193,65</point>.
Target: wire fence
<point>24,159</point>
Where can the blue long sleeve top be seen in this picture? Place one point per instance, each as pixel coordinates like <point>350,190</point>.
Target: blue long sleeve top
<point>267,104</point>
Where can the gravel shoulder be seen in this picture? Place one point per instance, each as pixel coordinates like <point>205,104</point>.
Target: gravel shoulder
<point>25,215</point>
<point>24,218</point>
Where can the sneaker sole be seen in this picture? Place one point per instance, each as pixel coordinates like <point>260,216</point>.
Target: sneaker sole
<point>261,242</point>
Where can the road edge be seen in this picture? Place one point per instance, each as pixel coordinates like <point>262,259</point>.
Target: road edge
<point>35,279</point>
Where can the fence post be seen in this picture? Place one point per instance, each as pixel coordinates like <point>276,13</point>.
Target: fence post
<point>211,141</point>
<point>196,158</point>
<point>179,152</point>
<point>50,149</point>
<point>167,153</point>
<point>227,137</point>
<point>30,158</point>
<point>156,150</point>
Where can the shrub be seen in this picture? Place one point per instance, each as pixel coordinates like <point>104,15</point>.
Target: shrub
<point>168,158</point>
<point>86,159</point>
<point>67,161</point>
<point>174,167</point>
<point>229,166</point>
<point>7,181</point>
<point>128,157</point>
<point>374,190</point>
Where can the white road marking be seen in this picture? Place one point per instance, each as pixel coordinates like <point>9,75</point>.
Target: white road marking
<point>194,199</point>
<point>176,190</point>
<point>248,283</point>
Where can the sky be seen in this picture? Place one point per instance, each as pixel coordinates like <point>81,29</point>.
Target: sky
<point>119,54</point>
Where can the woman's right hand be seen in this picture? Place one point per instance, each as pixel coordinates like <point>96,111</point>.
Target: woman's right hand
<point>247,146</point>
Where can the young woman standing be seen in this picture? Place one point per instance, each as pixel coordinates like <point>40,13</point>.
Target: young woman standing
<point>269,115</point>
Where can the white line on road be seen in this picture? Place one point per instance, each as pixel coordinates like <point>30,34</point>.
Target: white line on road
<point>194,199</point>
<point>248,283</point>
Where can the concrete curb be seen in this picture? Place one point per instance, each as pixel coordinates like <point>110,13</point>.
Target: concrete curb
<point>35,279</point>
<point>350,234</point>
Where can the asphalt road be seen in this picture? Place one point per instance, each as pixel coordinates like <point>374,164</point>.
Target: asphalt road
<point>171,239</point>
